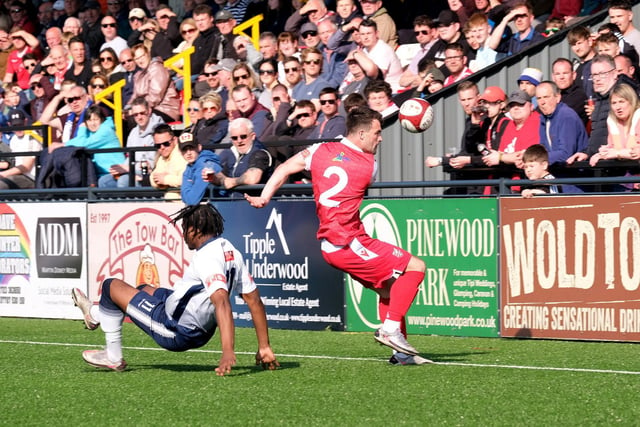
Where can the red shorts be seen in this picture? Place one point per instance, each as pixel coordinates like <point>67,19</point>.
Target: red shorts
<point>369,261</point>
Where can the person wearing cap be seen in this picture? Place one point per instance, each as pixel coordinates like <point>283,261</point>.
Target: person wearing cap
<point>309,35</point>
<point>521,14</point>
<point>19,172</point>
<point>561,131</point>
<point>237,8</point>
<point>247,162</point>
<point>137,17</point>
<point>520,133</point>
<point>449,31</point>
<point>193,187</point>
<point>223,44</point>
<point>170,165</point>
<point>206,40</point>
<point>527,82</point>
<point>43,93</point>
<point>431,81</point>
<point>58,13</point>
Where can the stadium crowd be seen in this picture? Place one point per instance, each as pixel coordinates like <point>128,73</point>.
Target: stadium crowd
<point>315,61</point>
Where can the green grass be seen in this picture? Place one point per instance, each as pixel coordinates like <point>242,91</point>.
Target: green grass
<point>51,385</point>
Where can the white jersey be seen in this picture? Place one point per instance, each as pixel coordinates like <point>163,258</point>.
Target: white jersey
<point>216,265</point>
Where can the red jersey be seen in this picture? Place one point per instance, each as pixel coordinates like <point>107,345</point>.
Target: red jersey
<point>340,175</point>
<point>514,140</point>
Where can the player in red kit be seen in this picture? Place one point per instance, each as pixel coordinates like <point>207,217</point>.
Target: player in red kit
<point>341,172</point>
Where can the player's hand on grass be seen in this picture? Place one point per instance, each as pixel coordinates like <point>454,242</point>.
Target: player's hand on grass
<point>226,362</point>
<point>267,359</point>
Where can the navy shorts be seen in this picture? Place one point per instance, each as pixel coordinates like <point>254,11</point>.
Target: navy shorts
<point>149,314</point>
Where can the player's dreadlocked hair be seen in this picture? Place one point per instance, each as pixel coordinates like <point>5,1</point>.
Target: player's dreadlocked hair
<point>204,218</point>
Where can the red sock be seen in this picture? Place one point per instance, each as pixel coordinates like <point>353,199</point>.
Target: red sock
<point>403,291</point>
<point>383,307</point>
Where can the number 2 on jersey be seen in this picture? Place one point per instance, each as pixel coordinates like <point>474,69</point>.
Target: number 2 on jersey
<point>325,198</point>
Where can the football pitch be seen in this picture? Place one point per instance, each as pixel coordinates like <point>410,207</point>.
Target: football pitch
<point>326,379</point>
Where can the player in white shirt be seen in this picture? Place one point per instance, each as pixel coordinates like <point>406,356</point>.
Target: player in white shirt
<point>186,316</point>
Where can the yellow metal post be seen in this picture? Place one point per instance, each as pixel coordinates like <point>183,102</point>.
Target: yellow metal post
<point>185,72</point>
<point>254,23</point>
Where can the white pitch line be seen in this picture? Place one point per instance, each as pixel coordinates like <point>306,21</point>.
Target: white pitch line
<point>361,359</point>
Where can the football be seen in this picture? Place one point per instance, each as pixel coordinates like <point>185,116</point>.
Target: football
<point>416,115</point>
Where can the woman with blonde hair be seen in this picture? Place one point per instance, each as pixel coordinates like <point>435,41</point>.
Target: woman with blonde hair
<point>623,124</point>
<point>97,84</point>
<point>213,126</point>
<point>243,74</point>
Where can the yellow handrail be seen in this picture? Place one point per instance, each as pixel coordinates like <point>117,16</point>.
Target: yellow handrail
<point>115,104</point>
<point>254,23</point>
<point>185,72</point>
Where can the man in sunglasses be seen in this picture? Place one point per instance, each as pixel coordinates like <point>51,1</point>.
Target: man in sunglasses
<point>312,83</point>
<point>247,162</point>
<point>426,34</point>
<point>68,119</point>
<point>109,27</point>
<point>170,164</point>
<point>330,123</point>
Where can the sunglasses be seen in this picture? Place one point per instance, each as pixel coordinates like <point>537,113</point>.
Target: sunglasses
<point>291,70</point>
<point>303,115</point>
<point>135,18</point>
<point>270,72</point>
<point>327,101</point>
<point>163,17</point>
<point>239,137</point>
<point>423,32</point>
<point>312,61</point>
<point>111,25</point>
<point>126,61</point>
<point>193,109</point>
<point>106,58</point>
<point>188,31</point>
<point>242,77</point>
<point>309,34</point>
<point>208,109</point>
<point>352,62</point>
<point>73,99</point>
<point>276,99</point>
<point>98,86</point>
<point>521,16</point>
<point>139,113</point>
<point>163,144</point>
<point>35,86</point>
<point>16,10</point>
<point>215,73</point>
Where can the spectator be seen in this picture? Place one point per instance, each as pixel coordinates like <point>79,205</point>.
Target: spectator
<point>247,106</point>
<point>313,11</point>
<point>334,66</point>
<point>206,40</point>
<point>300,122</point>
<point>22,173</point>
<point>247,162</point>
<point>53,37</point>
<point>169,163</point>
<point>155,41</point>
<point>245,51</point>
<point>140,136</point>
<point>109,64</point>
<point>237,8</point>
<point>330,123</point>
<point>43,92</point>
<point>223,43</point>
<point>346,11</point>
<point>562,132</point>
<point>535,161</point>
<point>45,17</point>
<point>426,35</point>
<point>130,69</point>
<point>68,120</point>
<point>278,113</point>
<point>378,96</point>
<point>287,48</point>
<point>212,127</point>
<point>432,81</point>
<point>571,91</point>
<point>98,132</point>
<point>621,14</point>
<point>603,72</point>
<point>72,25</point>
<point>479,30</point>
<point>168,22</point>
<point>72,7</point>
<point>189,32</point>
<point>91,29</point>
<point>23,43</point>
<point>109,27</point>
<point>309,35</point>
<point>194,110</point>
<point>80,69</point>
<point>311,85</point>
<point>528,81</point>
<point>457,7</point>
<point>6,47</point>
<point>155,85</point>
<point>117,9</point>
<point>210,79</point>
<point>579,39</point>
<point>623,125</point>
<point>292,71</point>
<point>373,10</point>
<point>455,62</point>
<point>268,73</point>
<point>448,32</point>
<point>521,132</point>
<point>20,17</point>
<point>357,78</point>
<point>381,54</point>
<point>607,44</point>
<point>268,45</point>
<point>198,161</point>
<point>624,65</point>
<point>137,17</point>
<point>243,74</point>
<point>521,14</point>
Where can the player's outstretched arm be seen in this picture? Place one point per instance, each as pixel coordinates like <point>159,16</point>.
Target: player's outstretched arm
<point>265,355</point>
<point>224,318</point>
<point>280,176</point>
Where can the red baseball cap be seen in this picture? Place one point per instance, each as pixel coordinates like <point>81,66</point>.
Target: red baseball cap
<point>493,94</point>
